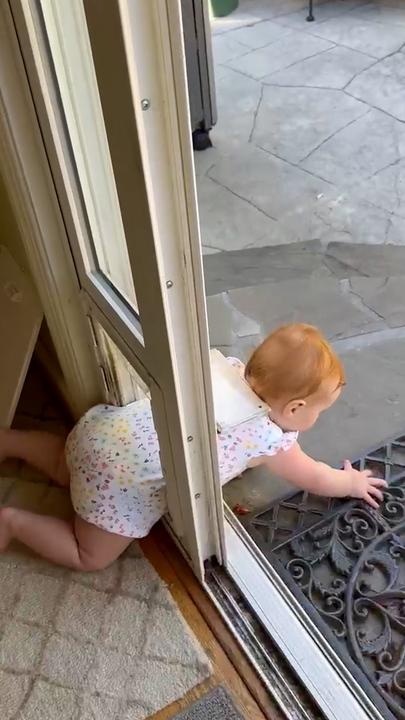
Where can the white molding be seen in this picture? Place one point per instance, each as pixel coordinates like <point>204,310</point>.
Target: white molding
<point>320,669</point>
<point>32,194</point>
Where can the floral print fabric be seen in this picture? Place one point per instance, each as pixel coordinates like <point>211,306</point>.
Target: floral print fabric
<point>116,476</point>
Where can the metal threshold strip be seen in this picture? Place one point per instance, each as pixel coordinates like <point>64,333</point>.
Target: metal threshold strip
<point>283,685</point>
<point>345,564</point>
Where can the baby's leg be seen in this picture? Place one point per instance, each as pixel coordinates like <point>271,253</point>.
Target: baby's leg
<point>44,451</point>
<point>77,545</point>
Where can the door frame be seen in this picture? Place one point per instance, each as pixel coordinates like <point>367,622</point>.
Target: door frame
<point>31,190</point>
<point>194,489</point>
<point>315,663</point>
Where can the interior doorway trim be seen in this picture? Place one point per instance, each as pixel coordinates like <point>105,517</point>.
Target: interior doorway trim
<point>29,183</point>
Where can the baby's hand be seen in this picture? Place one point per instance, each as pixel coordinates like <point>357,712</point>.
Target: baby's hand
<point>364,485</point>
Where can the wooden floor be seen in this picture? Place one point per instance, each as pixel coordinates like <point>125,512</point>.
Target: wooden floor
<point>231,668</point>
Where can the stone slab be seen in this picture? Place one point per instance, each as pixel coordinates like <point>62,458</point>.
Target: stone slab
<point>349,155</point>
<point>225,48</point>
<point>386,188</point>
<point>280,54</point>
<point>256,266</point>
<point>384,296</point>
<point>383,86</point>
<point>302,120</point>
<point>347,260</point>
<point>237,100</point>
<point>322,11</point>
<point>259,35</point>
<point>335,70</point>
<point>326,303</point>
<point>229,222</point>
<point>271,184</point>
<point>246,268</point>
<point>380,13</point>
<point>369,37</point>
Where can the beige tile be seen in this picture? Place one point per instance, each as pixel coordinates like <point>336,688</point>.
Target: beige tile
<point>20,647</point>
<point>13,690</point>
<point>38,598</point>
<point>125,624</point>
<point>139,578</point>
<point>81,613</point>
<point>49,702</point>
<point>67,661</point>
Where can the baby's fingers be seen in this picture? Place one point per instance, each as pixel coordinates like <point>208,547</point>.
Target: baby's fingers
<point>375,492</point>
<point>378,482</point>
<point>370,500</point>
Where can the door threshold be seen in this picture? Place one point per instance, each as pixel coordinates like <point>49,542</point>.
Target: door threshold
<point>288,693</point>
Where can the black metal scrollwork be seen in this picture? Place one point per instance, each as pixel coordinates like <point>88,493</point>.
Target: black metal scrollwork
<point>348,562</point>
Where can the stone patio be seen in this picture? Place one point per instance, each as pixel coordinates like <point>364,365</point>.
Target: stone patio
<point>302,204</point>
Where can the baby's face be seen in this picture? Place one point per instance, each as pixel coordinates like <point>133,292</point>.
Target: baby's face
<point>301,415</point>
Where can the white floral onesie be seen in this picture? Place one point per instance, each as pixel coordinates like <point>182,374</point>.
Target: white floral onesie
<point>116,476</point>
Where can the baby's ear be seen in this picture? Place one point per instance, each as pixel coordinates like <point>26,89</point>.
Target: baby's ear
<point>294,405</point>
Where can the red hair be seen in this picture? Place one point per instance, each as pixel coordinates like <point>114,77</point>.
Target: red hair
<point>292,363</point>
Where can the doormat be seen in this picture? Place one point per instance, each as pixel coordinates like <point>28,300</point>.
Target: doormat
<point>216,705</point>
<point>107,645</point>
<point>345,562</point>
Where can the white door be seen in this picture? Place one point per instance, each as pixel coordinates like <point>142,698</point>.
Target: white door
<point>155,49</point>
<point>140,286</point>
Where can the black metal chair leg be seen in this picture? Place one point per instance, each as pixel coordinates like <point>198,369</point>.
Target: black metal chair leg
<point>310,17</point>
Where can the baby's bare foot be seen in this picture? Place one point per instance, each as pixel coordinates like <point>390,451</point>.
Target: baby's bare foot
<point>6,514</point>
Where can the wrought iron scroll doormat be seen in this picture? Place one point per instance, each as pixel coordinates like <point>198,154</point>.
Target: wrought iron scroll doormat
<point>346,564</point>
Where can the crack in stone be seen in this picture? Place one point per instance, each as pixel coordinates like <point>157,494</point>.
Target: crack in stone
<point>256,113</point>
<point>373,107</point>
<point>249,202</point>
<point>347,287</point>
<point>336,132</point>
<point>294,165</point>
<point>360,72</point>
<point>331,226</point>
<point>386,167</point>
<point>213,247</point>
<point>344,265</point>
<point>388,227</point>
<point>287,67</point>
<point>303,87</point>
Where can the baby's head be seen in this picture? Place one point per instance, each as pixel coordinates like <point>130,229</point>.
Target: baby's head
<point>297,373</point>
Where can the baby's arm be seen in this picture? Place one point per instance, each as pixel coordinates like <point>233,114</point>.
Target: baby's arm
<point>320,479</point>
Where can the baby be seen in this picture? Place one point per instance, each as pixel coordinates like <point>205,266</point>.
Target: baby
<point>111,461</point>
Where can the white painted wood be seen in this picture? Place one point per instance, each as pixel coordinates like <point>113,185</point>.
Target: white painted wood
<point>25,170</point>
<point>316,664</point>
<point>20,321</point>
<point>234,400</point>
